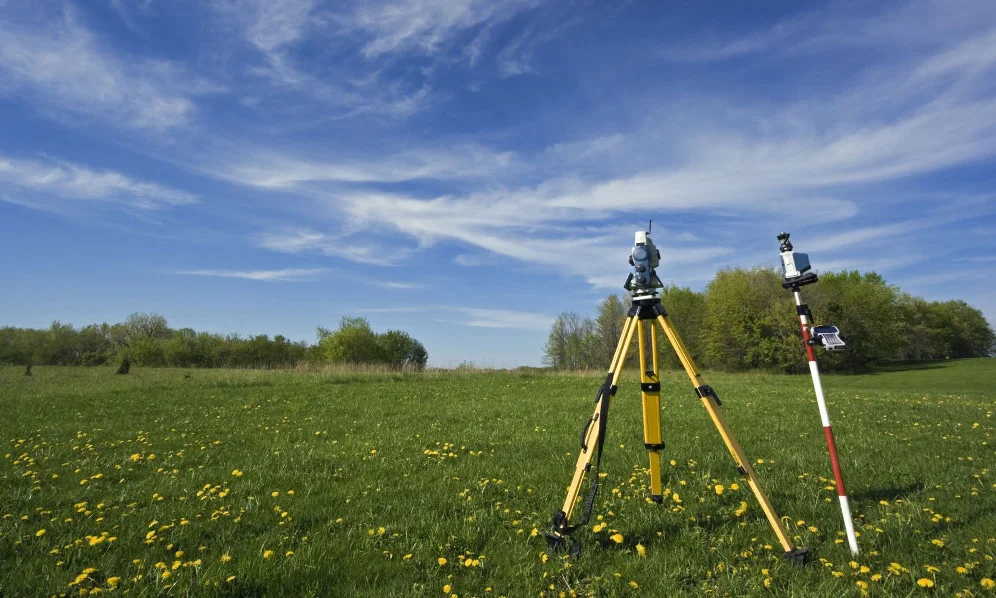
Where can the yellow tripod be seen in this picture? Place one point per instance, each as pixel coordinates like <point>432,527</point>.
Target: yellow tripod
<point>640,322</point>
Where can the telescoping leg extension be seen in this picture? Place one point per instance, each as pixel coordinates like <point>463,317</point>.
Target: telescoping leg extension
<point>646,311</point>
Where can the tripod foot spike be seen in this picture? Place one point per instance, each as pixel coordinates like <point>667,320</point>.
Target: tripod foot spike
<point>657,498</point>
<point>555,543</point>
<point>798,556</point>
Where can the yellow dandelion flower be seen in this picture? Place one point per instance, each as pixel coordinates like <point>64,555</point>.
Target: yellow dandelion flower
<point>447,588</point>
<point>39,533</point>
<point>267,554</point>
<point>932,569</point>
<point>237,473</point>
<point>469,562</point>
<point>734,486</point>
<point>719,489</point>
<point>406,557</point>
<point>598,527</point>
<point>987,583</point>
<point>861,584</point>
<point>442,561</point>
<point>617,538</point>
<point>229,579</point>
<point>937,542</point>
<point>767,582</point>
<point>876,577</point>
<point>924,582</point>
<point>641,550</point>
<point>289,553</point>
<point>274,494</point>
<point>113,582</point>
<point>543,557</point>
<point>381,531</point>
<point>166,574</point>
<point>226,557</point>
<point>634,585</point>
<point>961,570</point>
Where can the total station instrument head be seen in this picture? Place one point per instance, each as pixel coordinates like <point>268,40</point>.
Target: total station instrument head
<point>643,281</point>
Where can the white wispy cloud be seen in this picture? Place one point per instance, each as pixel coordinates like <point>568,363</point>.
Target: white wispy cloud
<point>281,170</point>
<point>423,25</point>
<point>284,275</point>
<point>476,317</point>
<point>402,285</point>
<point>839,26</point>
<point>503,318</point>
<point>52,181</point>
<point>823,151</point>
<point>360,249</point>
<point>278,30</point>
<point>61,65</point>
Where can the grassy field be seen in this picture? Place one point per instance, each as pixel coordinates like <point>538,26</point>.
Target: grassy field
<point>235,483</point>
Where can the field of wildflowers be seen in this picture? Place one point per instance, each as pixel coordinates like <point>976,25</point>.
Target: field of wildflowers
<point>245,483</point>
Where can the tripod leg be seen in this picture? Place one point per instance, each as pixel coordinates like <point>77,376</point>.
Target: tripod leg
<point>712,405</point>
<point>592,438</point>
<point>650,387</point>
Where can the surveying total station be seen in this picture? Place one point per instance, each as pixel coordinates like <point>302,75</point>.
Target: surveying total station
<point>643,285</point>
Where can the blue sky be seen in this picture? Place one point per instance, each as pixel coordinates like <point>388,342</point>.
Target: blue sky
<point>465,170</point>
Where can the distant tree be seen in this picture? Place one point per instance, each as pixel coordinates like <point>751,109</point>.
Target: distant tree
<point>608,328</point>
<point>972,335</point>
<point>866,309</point>
<point>686,309</point>
<point>354,342</point>
<point>146,327</point>
<point>555,351</point>
<point>400,350</point>
<point>742,320</point>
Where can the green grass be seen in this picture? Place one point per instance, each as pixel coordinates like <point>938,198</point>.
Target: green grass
<point>392,472</point>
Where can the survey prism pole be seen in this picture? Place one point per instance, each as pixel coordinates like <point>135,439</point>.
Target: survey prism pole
<point>814,369</point>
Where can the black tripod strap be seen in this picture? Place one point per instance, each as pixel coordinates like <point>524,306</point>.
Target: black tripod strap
<point>603,417</point>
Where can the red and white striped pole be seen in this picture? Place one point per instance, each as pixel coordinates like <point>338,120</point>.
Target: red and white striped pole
<point>845,508</point>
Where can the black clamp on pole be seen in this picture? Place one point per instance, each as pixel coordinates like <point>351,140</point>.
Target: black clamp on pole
<point>706,391</point>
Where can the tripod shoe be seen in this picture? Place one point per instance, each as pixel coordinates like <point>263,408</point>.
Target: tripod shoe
<point>798,556</point>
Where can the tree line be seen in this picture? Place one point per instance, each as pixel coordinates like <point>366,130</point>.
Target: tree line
<point>745,320</point>
<point>147,340</point>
